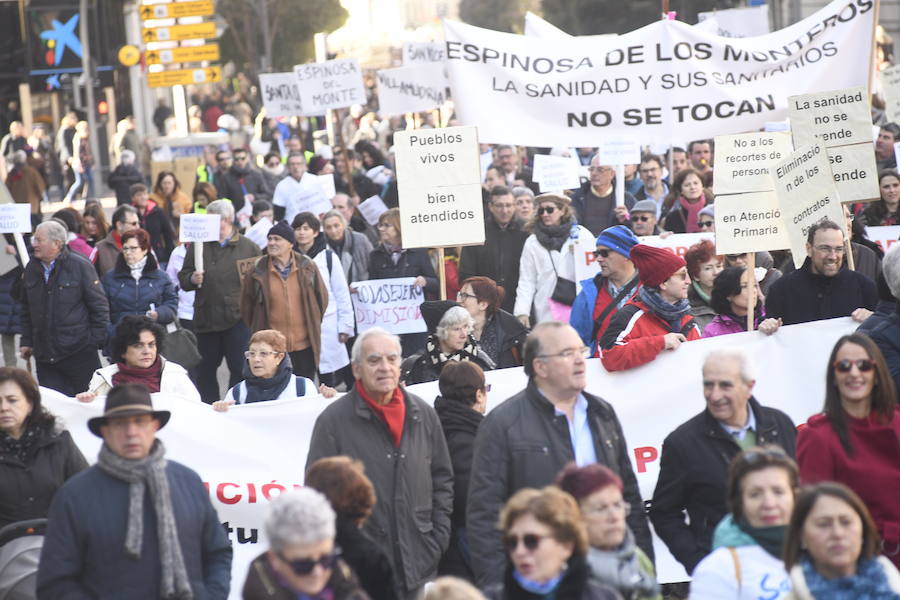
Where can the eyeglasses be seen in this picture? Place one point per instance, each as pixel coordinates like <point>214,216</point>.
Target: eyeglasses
<point>530,540</point>
<point>641,218</point>
<point>650,170</point>
<point>305,566</point>
<point>546,210</point>
<point>262,354</point>
<point>705,223</point>
<point>462,296</point>
<point>829,249</point>
<point>734,256</point>
<point>240,157</point>
<point>567,354</point>
<point>601,253</point>
<point>863,364</point>
<point>615,507</point>
<point>130,248</point>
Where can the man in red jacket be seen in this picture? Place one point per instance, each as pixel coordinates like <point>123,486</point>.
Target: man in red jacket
<point>657,319</point>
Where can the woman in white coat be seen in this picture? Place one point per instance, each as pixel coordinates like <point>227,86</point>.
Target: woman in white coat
<point>548,255</point>
<point>136,349</point>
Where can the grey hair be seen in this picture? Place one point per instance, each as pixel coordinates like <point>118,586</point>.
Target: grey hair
<point>19,157</point>
<point>334,213</point>
<point>452,588</point>
<point>300,516</point>
<point>454,316</point>
<point>223,208</point>
<point>356,352</point>
<point>534,345</point>
<point>128,157</point>
<point>56,232</point>
<point>890,266</point>
<point>520,191</point>
<point>747,366</point>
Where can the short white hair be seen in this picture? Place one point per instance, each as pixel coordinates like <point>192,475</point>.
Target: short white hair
<point>520,191</point>
<point>890,266</point>
<point>455,315</point>
<point>356,352</point>
<point>745,363</point>
<point>222,208</point>
<point>128,157</point>
<point>56,232</point>
<point>334,214</point>
<point>300,516</point>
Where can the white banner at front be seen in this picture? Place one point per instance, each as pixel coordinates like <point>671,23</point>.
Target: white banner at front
<point>665,81</point>
<point>254,451</point>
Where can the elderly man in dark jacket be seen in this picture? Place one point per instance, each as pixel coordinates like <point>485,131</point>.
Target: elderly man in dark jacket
<point>135,525</point>
<point>398,438</point>
<point>64,312</point>
<point>693,468</point>
<point>530,437</point>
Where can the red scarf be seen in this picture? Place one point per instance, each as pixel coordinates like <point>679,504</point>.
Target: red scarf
<point>117,239</point>
<point>149,377</point>
<point>692,210</point>
<point>393,413</point>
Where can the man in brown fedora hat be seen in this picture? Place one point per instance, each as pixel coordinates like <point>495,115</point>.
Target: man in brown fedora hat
<point>135,525</point>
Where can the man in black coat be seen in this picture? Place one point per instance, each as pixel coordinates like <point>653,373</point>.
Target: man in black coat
<point>251,181</point>
<point>64,312</point>
<point>695,457</point>
<point>227,185</point>
<point>527,440</point>
<point>823,288</point>
<point>498,258</point>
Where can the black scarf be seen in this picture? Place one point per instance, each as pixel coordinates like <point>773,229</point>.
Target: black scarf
<point>438,358</point>
<point>553,237</point>
<point>771,539</point>
<point>572,586</point>
<point>260,389</point>
<point>457,415</point>
<point>21,449</point>
<point>317,246</point>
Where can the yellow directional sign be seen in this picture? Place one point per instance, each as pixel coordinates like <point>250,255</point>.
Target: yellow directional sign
<point>172,10</point>
<point>184,77</point>
<point>181,55</point>
<point>129,55</point>
<point>179,32</point>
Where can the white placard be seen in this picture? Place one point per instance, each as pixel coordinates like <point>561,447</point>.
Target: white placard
<point>806,195</point>
<point>555,173</point>
<point>258,233</point>
<point>618,150</point>
<point>199,228</point>
<point>439,185</point>
<point>371,208</point>
<point>280,94</point>
<point>855,172</point>
<point>312,196</point>
<point>678,243</point>
<point>890,88</point>
<point>749,222</point>
<point>586,265</point>
<point>329,85</point>
<point>738,22</point>
<point>835,118</point>
<point>742,161</point>
<point>326,182</point>
<point>411,89</point>
<point>15,218</point>
<point>417,53</point>
<point>778,125</point>
<point>885,236</point>
<point>393,304</point>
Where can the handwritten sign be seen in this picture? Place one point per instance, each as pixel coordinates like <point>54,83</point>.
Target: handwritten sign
<point>393,304</point>
<point>834,118</point>
<point>618,150</point>
<point>372,208</point>
<point>411,89</point>
<point>855,172</point>
<point>749,222</point>
<point>280,94</point>
<point>331,84</point>
<point>423,53</point>
<point>890,84</point>
<point>15,218</point>
<point>199,228</point>
<point>742,161</point>
<point>554,173</point>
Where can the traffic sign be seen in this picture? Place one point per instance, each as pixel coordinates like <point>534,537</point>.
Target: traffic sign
<point>172,10</point>
<point>185,54</point>
<point>184,77</point>
<point>179,32</point>
<point>130,55</point>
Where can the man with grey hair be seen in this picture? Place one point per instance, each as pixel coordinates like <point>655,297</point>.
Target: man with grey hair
<point>26,185</point>
<point>527,440</point>
<point>64,312</point>
<point>123,177</point>
<point>884,327</point>
<point>693,467</point>
<point>217,315</point>
<point>398,437</point>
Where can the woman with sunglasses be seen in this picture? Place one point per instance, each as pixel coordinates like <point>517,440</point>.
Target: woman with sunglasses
<point>546,541</point>
<point>302,560</point>
<point>746,559</point>
<point>856,438</point>
<point>685,201</point>
<point>547,257</point>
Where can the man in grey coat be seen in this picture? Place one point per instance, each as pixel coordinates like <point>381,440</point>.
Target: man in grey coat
<point>398,437</point>
<point>525,442</point>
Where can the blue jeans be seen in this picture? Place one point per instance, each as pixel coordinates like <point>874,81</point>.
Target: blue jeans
<point>80,180</point>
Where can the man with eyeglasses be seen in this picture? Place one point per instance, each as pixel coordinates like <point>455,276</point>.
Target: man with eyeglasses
<point>654,188</point>
<point>644,218</point>
<point>124,218</point>
<point>250,179</point>
<point>498,258</point>
<point>527,440</point>
<point>824,287</point>
<point>398,437</point>
<point>595,201</point>
<point>693,471</point>
<point>136,524</point>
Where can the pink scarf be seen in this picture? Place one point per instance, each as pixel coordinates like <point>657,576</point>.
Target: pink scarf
<point>692,210</point>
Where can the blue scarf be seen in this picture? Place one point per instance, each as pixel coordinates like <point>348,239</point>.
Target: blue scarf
<point>869,583</point>
<point>539,589</point>
<point>671,313</point>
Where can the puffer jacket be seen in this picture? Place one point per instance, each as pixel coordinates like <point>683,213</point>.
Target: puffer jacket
<point>635,336</point>
<point>590,302</point>
<point>129,297</point>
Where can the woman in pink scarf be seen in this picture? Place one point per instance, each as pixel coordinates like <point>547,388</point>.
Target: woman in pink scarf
<point>685,201</point>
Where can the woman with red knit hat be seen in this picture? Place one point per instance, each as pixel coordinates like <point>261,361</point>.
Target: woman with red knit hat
<point>658,318</point>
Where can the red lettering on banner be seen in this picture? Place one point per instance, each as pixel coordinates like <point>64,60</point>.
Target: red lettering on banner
<point>589,258</point>
<point>220,494</point>
<point>644,455</point>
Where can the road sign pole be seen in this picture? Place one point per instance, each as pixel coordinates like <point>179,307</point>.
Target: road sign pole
<point>87,72</point>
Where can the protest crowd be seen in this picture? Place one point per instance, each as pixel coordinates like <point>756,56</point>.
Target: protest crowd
<point>408,497</point>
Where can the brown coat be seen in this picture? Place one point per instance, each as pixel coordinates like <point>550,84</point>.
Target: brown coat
<point>106,252</point>
<point>27,187</point>
<point>256,302</point>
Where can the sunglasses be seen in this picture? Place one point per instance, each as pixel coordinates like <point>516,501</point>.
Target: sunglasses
<point>863,364</point>
<point>641,218</point>
<point>706,223</point>
<point>601,253</point>
<point>549,210</point>
<point>530,540</point>
<point>305,566</point>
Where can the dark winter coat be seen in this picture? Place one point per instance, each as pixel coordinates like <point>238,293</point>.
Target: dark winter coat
<point>511,336</point>
<point>263,583</point>
<point>129,297</point>
<point>885,332</point>
<point>250,182</point>
<point>84,547</point>
<point>497,259</point>
<point>10,307</point>
<point>586,194</point>
<point>67,314</point>
<point>229,188</point>
<point>412,263</point>
<point>121,180</point>
<point>522,443</point>
<point>804,296</point>
<point>162,235</point>
<point>369,561</point>
<point>576,584</point>
<point>692,478</point>
<point>28,487</point>
<point>414,481</point>
<point>419,368</point>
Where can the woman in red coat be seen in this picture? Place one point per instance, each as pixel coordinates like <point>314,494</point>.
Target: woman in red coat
<point>856,438</point>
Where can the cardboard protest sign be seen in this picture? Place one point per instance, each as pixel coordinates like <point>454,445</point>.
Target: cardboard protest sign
<point>806,195</point>
<point>742,161</point>
<point>890,87</point>
<point>15,218</point>
<point>738,22</point>
<point>619,150</point>
<point>439,184</point>
<point>411,89</point>
<point>392,304</point>
<point>417,53</point>
<point>885,236</point>
<point>834,118</point>
<point>555,173</point>
<point>331,84</point>
<point>749,222</point>
<point>199,228</point>
<point>371,208</point>
<point>280,94</point>
<point>855,172</point>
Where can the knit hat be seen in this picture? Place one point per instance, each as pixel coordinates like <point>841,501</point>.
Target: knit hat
<point>618,239</point>
<point>644,206</point>
<point>281,228</point>
<point>655,265</point>
<point>433,311</point>
<point>708,211</point>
